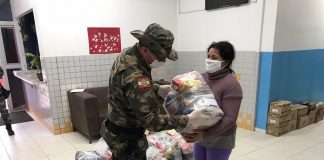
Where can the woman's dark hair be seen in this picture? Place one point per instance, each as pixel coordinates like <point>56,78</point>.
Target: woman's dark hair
<point>226,52</point>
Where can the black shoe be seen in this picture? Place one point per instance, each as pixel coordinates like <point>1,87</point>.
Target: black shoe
<point>9,130</point>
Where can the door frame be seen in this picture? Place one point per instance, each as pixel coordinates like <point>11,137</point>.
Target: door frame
<point>3,61</point>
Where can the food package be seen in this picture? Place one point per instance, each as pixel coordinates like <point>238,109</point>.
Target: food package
<point>87,155</point>
<point>153,153</point>
<point>189,92</point>
<point>103,150</point>
<point>163,145</point>
<point>168,145</point>
<point>163,142</point>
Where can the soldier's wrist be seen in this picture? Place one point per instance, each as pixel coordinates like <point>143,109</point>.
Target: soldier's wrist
<point>182,121</point>
<point>186,119</point>
<point>156,87</point>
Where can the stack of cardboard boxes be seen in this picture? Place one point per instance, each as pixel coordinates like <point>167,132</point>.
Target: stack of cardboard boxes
<point>312,109</point>
<point>302,117</point>
<point>320,112</point>
<point>283,117</point>
<point>293,119</point>
<point>311,116</point>
<point>279,118</point>
<point>315,110</point>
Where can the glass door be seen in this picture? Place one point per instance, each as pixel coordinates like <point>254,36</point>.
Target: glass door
<point>10,61</point>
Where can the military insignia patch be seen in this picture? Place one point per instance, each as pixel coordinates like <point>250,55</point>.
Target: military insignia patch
<point>143,82</point>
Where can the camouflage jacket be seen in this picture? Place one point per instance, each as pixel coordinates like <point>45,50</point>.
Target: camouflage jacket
<point>132,99</point>
<point>4,94</point>
<point>1,72</point>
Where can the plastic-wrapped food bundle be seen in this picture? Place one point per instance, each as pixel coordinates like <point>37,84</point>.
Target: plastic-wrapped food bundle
<point>87,155</point>
<point>103,150</point>
<point>100,152</point>
<point>167,145</point>
<point>153,153</point>
<point>189,93</point>
<point>163,145</point>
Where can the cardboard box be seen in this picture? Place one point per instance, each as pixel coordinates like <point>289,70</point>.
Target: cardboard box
<point>311,108</point>
<point>294,113</point>
<point>320,111</point>
<point>276,130</point>
<point>312,112</point>
<point>302,109</point>
<point>311,105</point>
<point>277,120</point>
<point>311,119</point>
<point>285,113</point>
<point>320,105</point>
<point>292,125</point>
<point>303,115</point>
<point>302,122</point>
<point>319,117</point>
<point>280,107</point>
<point>319,114</point>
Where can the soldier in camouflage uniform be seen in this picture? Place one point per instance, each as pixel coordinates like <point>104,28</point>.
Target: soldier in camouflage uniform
<point>4,94</point>
<point>132,101</point>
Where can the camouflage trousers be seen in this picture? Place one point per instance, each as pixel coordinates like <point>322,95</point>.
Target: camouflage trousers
<point>4,112</point>
<point>125,146</point>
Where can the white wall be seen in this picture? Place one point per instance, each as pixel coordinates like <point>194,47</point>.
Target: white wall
<point>19,7</point>
<point>190,6</point>
<point>300,25</point>
<point>269,25</point>
<point>62,25</point>
<point>240,25</point>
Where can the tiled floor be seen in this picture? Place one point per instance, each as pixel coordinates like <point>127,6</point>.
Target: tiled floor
<point>34,142</point>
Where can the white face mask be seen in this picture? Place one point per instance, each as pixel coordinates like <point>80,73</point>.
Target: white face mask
<point>156,64</point>
<point>213,65</point>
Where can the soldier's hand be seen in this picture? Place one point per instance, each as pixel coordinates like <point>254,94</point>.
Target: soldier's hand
<point>164,90</point>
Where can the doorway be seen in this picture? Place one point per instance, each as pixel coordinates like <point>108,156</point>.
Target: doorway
<point>10,61</point>
<point>29,36</point>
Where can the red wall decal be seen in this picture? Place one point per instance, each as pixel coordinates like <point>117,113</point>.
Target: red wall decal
<point>104,40</point>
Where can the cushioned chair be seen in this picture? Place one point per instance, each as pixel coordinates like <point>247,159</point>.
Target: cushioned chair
<point>88,111</point>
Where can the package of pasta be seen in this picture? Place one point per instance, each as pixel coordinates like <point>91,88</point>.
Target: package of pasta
<point>190,92</point>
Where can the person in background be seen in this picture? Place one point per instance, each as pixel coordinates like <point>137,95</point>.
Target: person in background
<point>4,94</point>
<point>132,105</point>
<point>217,142</point>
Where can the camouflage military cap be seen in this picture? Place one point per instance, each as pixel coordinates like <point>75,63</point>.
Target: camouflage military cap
<point>158,40</point>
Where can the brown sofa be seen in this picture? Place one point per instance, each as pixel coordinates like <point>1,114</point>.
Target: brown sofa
<point>88,111</point>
